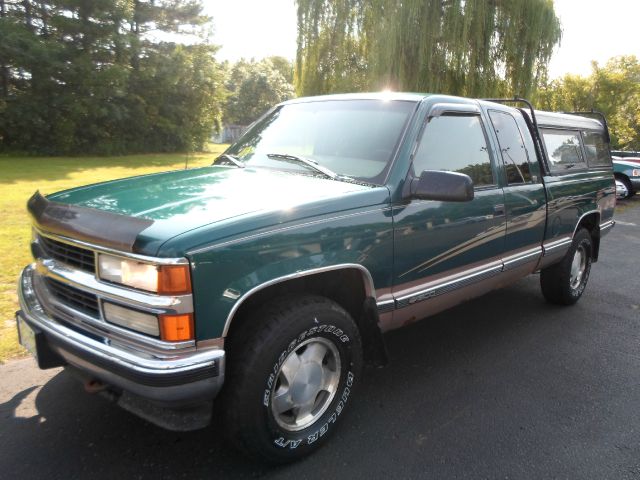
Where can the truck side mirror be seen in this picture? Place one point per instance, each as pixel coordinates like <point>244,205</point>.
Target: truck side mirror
<point>442,185</point>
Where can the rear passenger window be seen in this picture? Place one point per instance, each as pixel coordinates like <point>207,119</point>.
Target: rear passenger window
<point>514,154</point>
<point>563,150</point>
<point>456,143</point>
<point>596,149</point>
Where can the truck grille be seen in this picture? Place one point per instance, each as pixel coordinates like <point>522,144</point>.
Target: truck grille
<point>72,297</point>
<point>80,258</point>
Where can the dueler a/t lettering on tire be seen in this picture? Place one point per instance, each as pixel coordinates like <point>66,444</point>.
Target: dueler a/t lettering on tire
<point>563,283</point>
<point>291,378</point>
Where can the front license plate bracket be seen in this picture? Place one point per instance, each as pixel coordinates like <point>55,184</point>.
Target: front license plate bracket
<point>32,338</point>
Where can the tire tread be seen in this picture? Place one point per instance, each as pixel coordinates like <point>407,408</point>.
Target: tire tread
<point>554,279</point>
<point>244,355</point>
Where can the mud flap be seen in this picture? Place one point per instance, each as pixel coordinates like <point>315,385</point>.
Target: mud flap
<point>375,349</point>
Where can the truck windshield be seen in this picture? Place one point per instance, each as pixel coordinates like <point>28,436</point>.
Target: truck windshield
<point>353,138</point>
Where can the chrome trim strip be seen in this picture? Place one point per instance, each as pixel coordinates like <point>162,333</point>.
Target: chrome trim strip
<point>100,327</point>
<point>108,353</point>
<point>604,226</point>
<point>366,276</point>
<point>118,253</point>
<point>521,258</point>
<point>386,306</point>
<point>464,279</point>
<point>448,286</point>
<point>125,296</point>
<point>558,179</point>
<point>114,334</point>
<point>87,282</point>
<point>549,247</point>
<point>580,220</point>
<point>284,229</point>
<point>210,343</point>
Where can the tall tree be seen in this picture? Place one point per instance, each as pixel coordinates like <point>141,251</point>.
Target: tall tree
<point>254,87</point>
<point>613,89</point>
<point>106,76</point>
<point>466,47</point>
<point>4,68</point>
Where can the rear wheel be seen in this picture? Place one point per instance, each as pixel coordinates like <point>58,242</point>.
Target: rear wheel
<point>627,183</point>
<point>291,378</point>
<point>564,282</point>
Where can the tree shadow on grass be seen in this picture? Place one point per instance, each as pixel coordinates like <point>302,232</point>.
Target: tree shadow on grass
<point>15,169</point>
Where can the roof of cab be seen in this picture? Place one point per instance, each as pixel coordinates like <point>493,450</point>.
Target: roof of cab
<point>415,97</point>
<point>544,119</point>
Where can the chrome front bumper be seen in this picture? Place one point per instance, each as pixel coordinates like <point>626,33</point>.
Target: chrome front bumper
<point>175,380</point>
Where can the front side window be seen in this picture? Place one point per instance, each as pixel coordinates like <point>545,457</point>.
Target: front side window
<point>514,154</point>
<point>355,138</point>
<point>455,143</point>
<point>563,150</point>
<point>596,149</point>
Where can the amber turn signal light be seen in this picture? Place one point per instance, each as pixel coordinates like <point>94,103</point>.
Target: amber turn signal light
<point>176,328</point>
<point>174,280</point>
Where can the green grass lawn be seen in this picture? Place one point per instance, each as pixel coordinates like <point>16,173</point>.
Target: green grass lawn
<point>21,176</point>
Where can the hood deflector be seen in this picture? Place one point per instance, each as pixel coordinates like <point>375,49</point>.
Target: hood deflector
<point>90,225</point>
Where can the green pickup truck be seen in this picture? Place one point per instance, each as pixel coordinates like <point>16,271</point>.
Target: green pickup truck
<point>266,281</point>
<point>626,171</point>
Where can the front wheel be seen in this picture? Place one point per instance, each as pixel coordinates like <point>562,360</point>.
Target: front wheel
<point>627,185</point>
<point>564,282</point>
<point>291,378</point>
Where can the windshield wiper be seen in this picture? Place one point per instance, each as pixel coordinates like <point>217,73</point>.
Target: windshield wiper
<point>309,163</point>
<point>317,167</point>
<point>229,159</point>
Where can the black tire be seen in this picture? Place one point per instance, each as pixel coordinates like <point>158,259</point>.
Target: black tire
<point>283,332</point>
<point>627,183</point>
<point>558,284</point>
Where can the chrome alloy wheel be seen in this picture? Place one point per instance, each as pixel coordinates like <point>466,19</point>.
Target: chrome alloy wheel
<point>578,267</point>
<point>305,384</point>
<point>621,189</point>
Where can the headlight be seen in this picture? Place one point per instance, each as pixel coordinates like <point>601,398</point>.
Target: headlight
<point>161,279</point>
<point>128,272</point>
<point>132,319</point>
<point>635,173</point>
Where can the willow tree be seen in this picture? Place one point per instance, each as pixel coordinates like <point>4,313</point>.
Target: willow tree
<point>464,47</point>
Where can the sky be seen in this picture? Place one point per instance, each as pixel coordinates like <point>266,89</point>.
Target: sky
<point>253,28</point>
<point>592,30</point>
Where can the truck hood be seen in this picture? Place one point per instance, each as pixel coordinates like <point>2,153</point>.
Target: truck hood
<point>627,162</point>
<point>179,201</point>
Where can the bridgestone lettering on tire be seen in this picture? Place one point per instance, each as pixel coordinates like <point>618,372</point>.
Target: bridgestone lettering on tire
<point>563,283</point>
<point>292,377</point>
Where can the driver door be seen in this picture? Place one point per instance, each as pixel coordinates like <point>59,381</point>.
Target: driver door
<point>446,252</point>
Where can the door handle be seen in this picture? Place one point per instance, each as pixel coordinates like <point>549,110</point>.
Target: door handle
<point>498,210</point>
